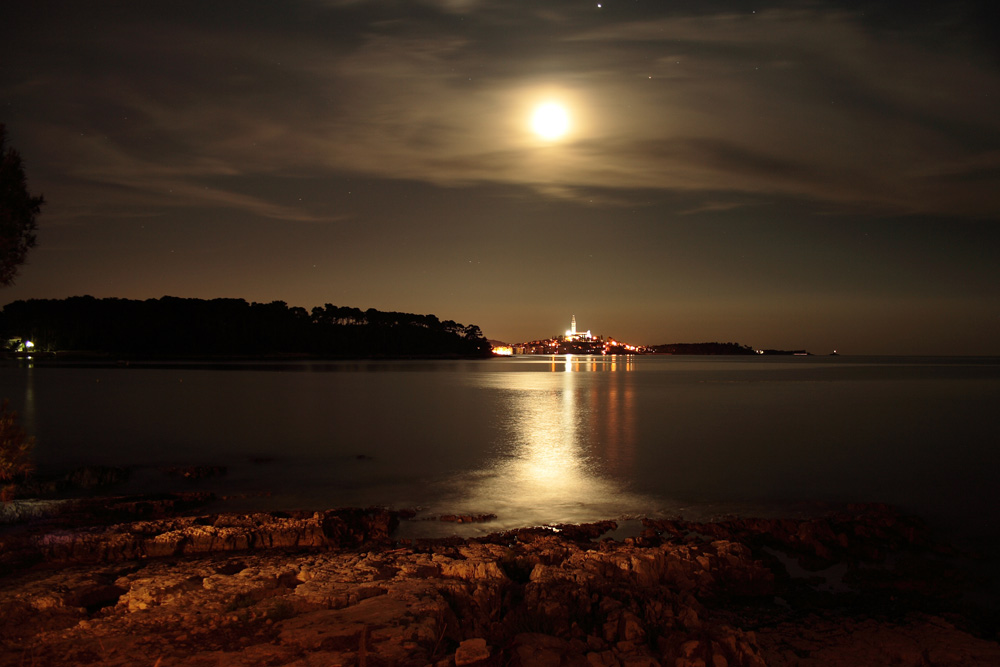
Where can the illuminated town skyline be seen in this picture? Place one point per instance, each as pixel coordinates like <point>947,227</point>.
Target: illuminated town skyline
<point>571,342</point>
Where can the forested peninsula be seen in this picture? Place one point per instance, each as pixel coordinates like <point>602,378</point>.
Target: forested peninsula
<point>179,327</point>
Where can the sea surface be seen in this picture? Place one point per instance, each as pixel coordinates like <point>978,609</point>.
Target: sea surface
<point>539,439</point>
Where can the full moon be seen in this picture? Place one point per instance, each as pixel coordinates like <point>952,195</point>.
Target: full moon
<point>550,121</point>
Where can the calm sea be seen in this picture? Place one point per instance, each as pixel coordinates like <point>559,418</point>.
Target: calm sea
<point>540,440</point>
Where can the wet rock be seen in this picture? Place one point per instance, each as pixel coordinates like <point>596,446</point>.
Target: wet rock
<point>19,511</point>
<point>75,512</point>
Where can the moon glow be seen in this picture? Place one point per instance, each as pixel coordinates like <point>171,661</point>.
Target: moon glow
<point>550,121</point>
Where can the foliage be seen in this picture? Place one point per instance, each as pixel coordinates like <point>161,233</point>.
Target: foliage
<point>18,209</point>
<point>172,326</point>
<point>15,450</point>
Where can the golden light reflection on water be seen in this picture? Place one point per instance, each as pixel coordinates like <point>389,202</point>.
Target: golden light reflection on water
<point>575,362</point>
<point>565,444</point>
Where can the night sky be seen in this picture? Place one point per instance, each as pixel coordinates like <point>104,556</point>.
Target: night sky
<point>819,175</point>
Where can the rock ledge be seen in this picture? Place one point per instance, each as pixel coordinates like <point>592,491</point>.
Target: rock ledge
<point>332,588</point>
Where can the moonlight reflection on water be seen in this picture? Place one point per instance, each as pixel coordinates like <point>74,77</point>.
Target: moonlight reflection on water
<point>561,436</point>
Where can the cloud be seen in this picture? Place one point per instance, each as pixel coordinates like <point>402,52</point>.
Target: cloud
<point>806,103</point>
<point>104,179</point>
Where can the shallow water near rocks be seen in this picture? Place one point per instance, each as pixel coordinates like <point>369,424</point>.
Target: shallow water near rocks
<point>538,440</point>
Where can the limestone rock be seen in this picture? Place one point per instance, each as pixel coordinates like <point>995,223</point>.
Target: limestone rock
<point>471,652</point>
<point>320,588</point>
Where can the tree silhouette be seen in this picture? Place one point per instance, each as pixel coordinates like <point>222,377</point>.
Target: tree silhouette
<point>171,326</point>
<point>18,209</point>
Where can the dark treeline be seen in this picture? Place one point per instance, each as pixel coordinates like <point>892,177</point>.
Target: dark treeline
<point>703,348</point>
<point>172,326</point>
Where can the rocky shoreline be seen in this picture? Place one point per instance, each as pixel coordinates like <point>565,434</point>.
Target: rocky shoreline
<point>153,587</point>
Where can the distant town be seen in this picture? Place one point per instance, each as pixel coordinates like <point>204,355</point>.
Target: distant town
<point>171,327</point>
<point>584,342</point>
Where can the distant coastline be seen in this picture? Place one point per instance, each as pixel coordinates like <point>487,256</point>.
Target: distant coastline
<point>172,328</point>
<point>720,349</point>
<point>599,346</point>
<point>578,341</point>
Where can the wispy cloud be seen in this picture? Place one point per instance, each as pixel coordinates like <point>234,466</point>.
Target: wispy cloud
<point>805,103</point>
